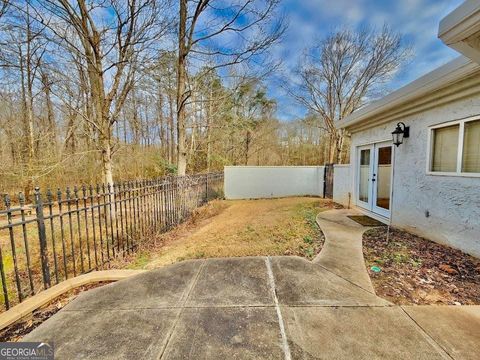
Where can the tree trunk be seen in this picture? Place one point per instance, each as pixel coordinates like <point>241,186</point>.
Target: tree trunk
<point>161,124</point>
<point>70,144</point>
<point>27,100</point>
<point>209,132</point>
<point>171,151</point>
<point>247,146</point>
<point>107,160</point>
<point>181,95</point>
<point>52,131</point>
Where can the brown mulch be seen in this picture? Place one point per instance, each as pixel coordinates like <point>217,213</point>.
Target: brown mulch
<point>414,270</point>
<point>20,328</point>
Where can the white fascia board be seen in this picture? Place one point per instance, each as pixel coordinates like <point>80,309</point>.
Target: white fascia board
<point>461,23</point>
<point>440,78</point>
<point>467,50</point>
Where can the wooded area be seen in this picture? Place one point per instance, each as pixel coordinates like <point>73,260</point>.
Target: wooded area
<point>103,91</point>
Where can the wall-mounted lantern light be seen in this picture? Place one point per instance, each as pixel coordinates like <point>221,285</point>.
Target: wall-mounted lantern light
<point>400,132</point>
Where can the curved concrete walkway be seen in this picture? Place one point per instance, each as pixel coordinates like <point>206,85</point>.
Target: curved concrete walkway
<point>342,252</point>
<point>259,308</point>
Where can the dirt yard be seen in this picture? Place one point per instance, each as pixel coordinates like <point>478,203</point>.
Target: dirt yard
<point>414,270</point>
<point>240,228</point>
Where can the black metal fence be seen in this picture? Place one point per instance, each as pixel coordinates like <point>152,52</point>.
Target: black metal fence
<point>82,229</point>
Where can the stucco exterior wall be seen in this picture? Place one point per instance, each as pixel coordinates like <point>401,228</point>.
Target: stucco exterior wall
<point>445,209</point>
<point>256,182</point>
<point>342,185</point>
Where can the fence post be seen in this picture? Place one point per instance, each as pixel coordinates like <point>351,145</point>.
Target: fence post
<point>42,236</point>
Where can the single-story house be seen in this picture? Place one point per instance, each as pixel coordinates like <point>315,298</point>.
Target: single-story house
<point>425,177</point>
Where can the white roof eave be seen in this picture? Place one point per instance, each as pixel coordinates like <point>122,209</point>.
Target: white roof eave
<point>452,72</point>
<point>461,23</point>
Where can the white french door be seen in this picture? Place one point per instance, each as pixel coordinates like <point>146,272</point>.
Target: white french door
<point>374,177</point>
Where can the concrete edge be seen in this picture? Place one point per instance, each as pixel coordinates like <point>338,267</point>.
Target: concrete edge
<point>33,303</point>
<point>317,257</point>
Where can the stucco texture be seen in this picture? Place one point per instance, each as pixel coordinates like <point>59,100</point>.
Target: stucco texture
<point>445,209</point>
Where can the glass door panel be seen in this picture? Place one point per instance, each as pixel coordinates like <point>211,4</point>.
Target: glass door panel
<point>383,177</point>
<point>374,175</point>
<point>364,176</point>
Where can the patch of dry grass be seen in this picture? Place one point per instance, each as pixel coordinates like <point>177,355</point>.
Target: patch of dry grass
<point>240,228</point>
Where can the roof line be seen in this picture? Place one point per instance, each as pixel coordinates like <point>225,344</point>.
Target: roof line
<point>452,72</point>
<point>460,23</point>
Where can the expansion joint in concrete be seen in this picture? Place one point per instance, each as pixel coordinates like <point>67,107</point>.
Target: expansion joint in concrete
<point>441,350</point>
<point>271,280</point>
<point>183,301</point>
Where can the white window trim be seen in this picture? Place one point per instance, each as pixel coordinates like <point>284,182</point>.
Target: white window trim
<point>461,133</point>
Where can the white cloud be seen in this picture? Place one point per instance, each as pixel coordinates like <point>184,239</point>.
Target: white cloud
<point>417,19</point>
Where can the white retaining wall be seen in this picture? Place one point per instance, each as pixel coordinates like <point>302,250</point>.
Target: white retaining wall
<point>342,185</point>
<point>256,182</point>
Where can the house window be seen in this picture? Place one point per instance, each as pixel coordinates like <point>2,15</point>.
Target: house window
<point>445,145</point>
<point>471,147</point>
<point>455,148</point>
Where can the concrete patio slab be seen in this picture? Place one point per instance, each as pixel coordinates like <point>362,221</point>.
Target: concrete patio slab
<point>153,289</point>
<point>299,282</point>
<point>116,335</point>
<point>251,308</point>
<point>226,333</point>
<point>356,333</point>
<point>33,303</point>
<point>455,328</point>
<point>342,252</point>
<point>234,281</point>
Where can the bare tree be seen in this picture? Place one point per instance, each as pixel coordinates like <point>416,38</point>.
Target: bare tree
<point>23,47</point>
<point>90,85</point>
<point>252,26</point>
<point>163,73</point>
<point>253,107</point>
<point>112,48</point>
<point>50,113</point>
<point>343,72</point>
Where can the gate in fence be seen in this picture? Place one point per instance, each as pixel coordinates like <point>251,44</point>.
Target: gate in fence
<point>82,229</point>
<point>328,181</point>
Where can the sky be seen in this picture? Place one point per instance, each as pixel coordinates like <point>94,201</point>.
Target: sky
<point>311,20</point>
